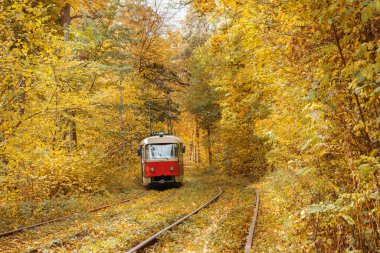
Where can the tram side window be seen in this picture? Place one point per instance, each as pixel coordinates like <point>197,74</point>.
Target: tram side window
<point>161,151</point>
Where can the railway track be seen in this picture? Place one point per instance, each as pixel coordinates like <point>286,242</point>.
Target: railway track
<point>11,232</point>
<point>153,238</point>
<point>19,230</point>
<point>156,202</point>
<point>248,245</point>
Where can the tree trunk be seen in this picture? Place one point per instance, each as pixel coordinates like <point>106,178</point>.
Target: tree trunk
<point>209,146</point>
<point>190,153</point>
<point>65,22</point>
<point>197,146</point>
<point>73,130</point>
<point>66,18</point>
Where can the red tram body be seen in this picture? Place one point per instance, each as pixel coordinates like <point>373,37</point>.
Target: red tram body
<point>162,160</point>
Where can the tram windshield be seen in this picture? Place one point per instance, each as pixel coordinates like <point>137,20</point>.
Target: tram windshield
<point>161,151</point>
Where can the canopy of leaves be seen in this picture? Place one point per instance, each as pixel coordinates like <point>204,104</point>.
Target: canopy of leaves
<point>288,91</point>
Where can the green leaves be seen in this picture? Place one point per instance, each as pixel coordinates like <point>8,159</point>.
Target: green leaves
<point>364,171</point>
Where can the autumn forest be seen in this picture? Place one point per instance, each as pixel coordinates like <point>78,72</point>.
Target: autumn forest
<point>283,96</point>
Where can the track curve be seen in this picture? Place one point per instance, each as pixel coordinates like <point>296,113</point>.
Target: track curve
<point>248,245</point>
<point>153,237</point>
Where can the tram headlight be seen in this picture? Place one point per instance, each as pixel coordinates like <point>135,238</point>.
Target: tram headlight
<point>171,169</point>
<point>152,169</point>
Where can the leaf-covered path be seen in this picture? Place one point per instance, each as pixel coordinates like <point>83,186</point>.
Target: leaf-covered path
<point>222,227</point>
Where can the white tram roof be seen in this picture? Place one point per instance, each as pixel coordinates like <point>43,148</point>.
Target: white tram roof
<point>158,139</point>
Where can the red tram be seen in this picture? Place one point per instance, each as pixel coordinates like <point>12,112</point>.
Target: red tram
<point>162,160</point>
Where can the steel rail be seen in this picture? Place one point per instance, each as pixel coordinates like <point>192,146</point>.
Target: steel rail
<point>248,245</point>
<point>153,237</point>
<point>69,216</point>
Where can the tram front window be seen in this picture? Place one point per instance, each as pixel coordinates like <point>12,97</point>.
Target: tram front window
<point>161,151</point>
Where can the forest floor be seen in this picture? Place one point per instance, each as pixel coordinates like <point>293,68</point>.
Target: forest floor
<point>221,227</point>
